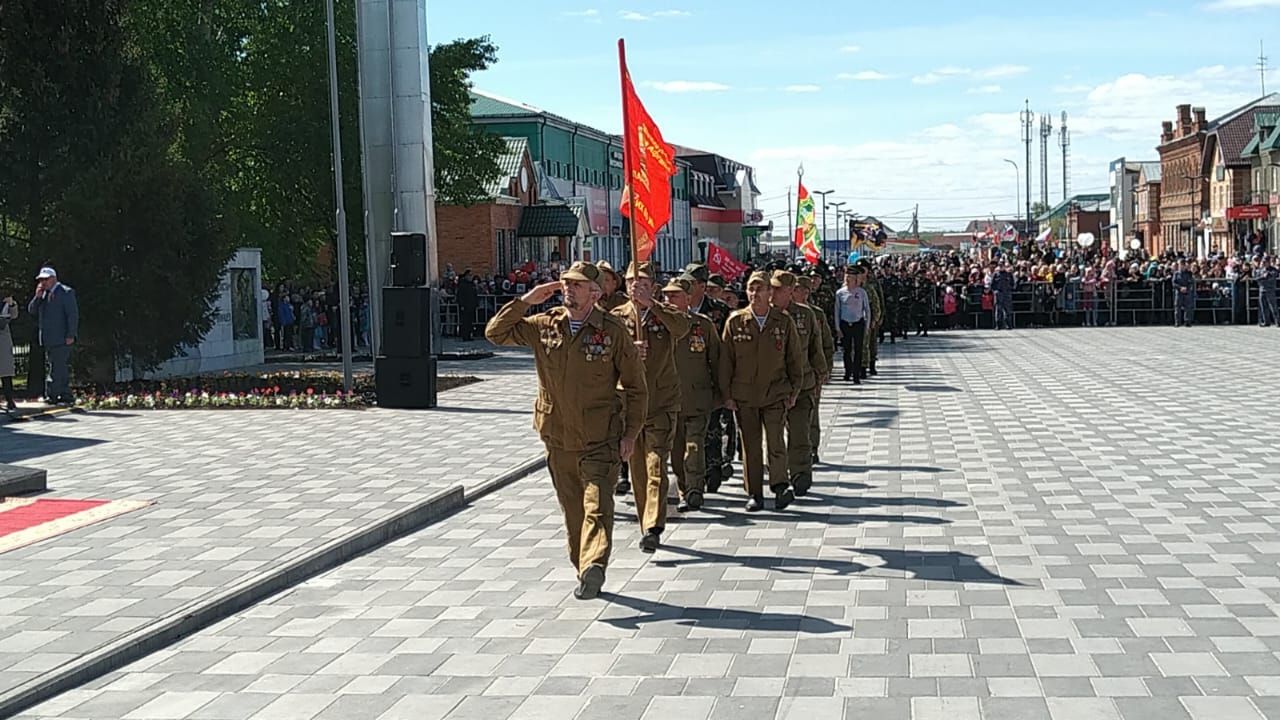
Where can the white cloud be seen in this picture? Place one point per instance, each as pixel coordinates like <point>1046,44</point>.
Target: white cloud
<point>927,79</point>
<point>632,16</point>
<point>590,12</point>
<point>1131,107</point>
<point>672,13</point>
<point>1001,71</point>
<point>984,90</point>
<point>864,76</point>
<point>850,49</point>
<point>803,88</point>
<point>951,70</point>
<point>1221,5</point>
<point>686,86</point>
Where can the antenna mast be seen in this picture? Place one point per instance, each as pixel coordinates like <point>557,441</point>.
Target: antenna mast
<point>1027,117</point>
<point>1262,68</point>
<point>1064,139</point>
<point>1046,129</point>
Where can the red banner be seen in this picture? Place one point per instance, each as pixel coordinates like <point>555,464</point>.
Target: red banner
<point>722,262</point>
<point>648,164</point>
<point>1247,212</point>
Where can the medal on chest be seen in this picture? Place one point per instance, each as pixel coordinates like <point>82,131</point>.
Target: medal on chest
<point>777,339</point>
<point>697,340</point>
<point>596,346</point>
<point>551,337</point>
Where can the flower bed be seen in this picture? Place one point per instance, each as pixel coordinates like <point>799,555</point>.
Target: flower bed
<point>299,390</point>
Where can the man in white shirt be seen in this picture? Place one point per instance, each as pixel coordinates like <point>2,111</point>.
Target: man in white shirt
<point>853,309</point>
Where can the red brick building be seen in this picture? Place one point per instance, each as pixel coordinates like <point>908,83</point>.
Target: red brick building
<point>514,227</point>
<point>1184,199</point>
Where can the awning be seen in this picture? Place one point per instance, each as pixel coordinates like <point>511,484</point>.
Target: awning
<point>1247,212</point>
<point>548,221</point>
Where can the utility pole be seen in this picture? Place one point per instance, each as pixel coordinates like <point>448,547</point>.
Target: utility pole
<point>791,233</point>
<point>824,194</point>
<point>1262,68</point>
<point>1026,139</point>
<point>839,210</point>
<point>915,222</point>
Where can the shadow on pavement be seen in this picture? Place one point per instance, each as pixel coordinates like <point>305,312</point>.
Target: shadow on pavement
<point>650,611</point>
<point>883,468</point>
<point>18,446</point>
<point>796,515</point>
<point>482,411</point>
<point>863,501</point>
<point>947,566</point>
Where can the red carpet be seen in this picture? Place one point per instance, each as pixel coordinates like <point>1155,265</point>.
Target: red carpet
<point>24,520</point>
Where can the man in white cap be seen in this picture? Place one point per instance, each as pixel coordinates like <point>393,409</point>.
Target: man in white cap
<point>57,316</point>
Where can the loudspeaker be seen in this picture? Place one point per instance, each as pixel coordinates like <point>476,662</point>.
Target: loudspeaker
<point>405,382</point>
<point>406,322</point>
<point>408,259</point>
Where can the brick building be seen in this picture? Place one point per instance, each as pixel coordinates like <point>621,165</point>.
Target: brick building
<point>513,227</point>
<point>1184,200</point>
<point>1146,195</point>
<point>1230,175</point>
<point>1263,154</point>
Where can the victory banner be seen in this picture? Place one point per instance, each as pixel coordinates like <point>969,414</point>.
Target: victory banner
<point>722,262</point>
<point>648,164</point>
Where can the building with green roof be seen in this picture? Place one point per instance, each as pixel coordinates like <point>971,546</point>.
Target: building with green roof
<point>581,165</point>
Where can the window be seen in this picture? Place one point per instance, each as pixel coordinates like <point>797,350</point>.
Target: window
<point>557,173</point>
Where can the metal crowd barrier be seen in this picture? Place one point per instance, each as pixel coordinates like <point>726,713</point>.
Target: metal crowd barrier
<point>1219,301</point>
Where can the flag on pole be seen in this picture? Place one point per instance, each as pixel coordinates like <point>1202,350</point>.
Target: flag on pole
<point>1010,233</point>
<point>1045,236</point>
<point>722,262</point>
<point>807,238</point>
<point>648,164</point>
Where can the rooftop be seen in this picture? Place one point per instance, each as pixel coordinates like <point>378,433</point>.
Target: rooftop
<point>509,164</point>
<point>1088,202</point>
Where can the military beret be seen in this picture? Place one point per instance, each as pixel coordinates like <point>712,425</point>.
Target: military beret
<point>717,280</point>
<point>641,270</point>
<point>583,272</point>
<point>758,276</point>
<point>782,278</point>
<point>696,271</point>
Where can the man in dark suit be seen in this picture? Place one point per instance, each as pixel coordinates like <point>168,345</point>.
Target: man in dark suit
<point>57,316</point>
<point>468,299</point>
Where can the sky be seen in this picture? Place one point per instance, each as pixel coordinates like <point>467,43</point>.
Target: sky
<point>890,103</point>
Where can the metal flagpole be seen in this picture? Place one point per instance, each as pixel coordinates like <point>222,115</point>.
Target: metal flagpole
<point>791,233</point>
<point>344,281</point>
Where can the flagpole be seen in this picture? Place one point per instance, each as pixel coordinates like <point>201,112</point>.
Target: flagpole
<point>628,165</point>
<point>791,233</point>
<point>799,182</point>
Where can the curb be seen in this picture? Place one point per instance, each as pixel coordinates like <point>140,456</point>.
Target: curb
<point>292,571</point>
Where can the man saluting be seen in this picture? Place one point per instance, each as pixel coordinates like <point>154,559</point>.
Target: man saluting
<point>583,357</point>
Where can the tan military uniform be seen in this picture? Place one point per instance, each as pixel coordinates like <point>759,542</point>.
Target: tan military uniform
<point>760,368</point>
<point>800,415</point>
<point>828,342</point>
<point>698,364</point>
<point>659,329</point>
<point>614,301</point>
<point>580,413</point>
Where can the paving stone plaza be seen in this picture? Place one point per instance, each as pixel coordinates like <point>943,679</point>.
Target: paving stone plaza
<point>1067,524</point>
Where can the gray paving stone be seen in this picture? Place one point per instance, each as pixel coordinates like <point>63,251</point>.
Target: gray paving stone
<point>1014,549</point>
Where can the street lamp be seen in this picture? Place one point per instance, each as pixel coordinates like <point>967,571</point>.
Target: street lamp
<point>824,194</point>
<point>1017,194</point>
<point>837,206</point>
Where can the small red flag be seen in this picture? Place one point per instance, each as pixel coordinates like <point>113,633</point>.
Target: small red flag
<point>722,262</point>
<point>649,162</point>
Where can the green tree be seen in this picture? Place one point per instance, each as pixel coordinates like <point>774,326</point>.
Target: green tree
<point>1037,209</point>
<point>88,169</point>
<point>466,157</point>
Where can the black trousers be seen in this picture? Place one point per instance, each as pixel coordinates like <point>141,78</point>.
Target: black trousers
<point>466,322</point>
<point>852,336</point>
<point>7,384</point>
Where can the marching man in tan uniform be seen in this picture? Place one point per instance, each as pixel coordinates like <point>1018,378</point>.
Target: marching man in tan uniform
<point>800,414</point>
<point>761,374</point>
<point>610,286</point>
<point>583,356</point>
<point>698,364</point>
<point>804,284</point>
<point>655,329</point>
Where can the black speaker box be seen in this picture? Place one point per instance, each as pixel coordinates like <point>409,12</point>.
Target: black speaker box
<point>406,322</point>
<point>408,383</point>
<point>408,259</point>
